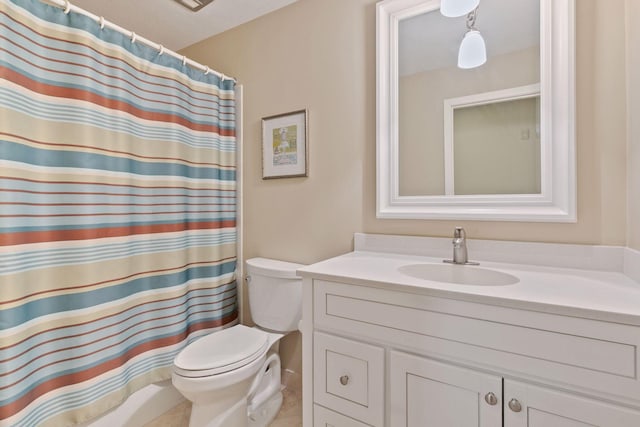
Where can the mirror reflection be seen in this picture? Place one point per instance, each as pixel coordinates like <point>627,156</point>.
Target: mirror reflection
<point>470,131</point>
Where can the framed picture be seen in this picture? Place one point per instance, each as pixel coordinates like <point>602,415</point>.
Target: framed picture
<point>284,145</point>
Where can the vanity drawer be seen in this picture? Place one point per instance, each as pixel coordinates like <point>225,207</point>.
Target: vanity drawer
<point>349,377</point>
<point>588,353</point>
<point>323,417</point>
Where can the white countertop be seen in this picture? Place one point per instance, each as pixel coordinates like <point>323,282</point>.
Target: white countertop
<point>601,295</point>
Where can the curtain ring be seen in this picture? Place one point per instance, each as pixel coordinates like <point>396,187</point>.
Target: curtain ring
<point>184,60</point>
<point>133,37</point>
<point>102,22</point>
<point>161,49</point>
<point>206,71</point>
<point>223,77</point>
<point>67,7</point>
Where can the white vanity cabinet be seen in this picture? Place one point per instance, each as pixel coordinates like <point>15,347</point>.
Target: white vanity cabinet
<point>545,407</point>
<point>350,377</point>
<point>378,354</point>
<point>425,392</point>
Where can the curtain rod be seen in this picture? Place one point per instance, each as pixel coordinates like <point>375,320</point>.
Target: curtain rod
<point>68,7</point>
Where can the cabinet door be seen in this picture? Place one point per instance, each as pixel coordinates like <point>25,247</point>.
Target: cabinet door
<point>526,405</point>
<point>323,417</point>
<point>426,393</point>
<point>349,378</point>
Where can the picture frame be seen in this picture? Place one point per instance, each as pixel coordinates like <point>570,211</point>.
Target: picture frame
<point>285,145</point>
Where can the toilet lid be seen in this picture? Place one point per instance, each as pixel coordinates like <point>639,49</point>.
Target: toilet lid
<point>221,351</point>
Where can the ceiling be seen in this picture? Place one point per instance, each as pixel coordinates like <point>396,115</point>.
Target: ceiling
<point>430,41</point>
<point>167,23</point>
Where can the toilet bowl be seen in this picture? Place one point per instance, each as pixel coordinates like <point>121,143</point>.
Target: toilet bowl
<point>232,376</point>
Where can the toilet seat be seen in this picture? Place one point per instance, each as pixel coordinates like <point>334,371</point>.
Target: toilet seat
<point>221,352</point>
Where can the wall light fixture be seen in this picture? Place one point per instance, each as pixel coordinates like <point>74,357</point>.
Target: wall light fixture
<point>473,50</point>
<point>455,8</point>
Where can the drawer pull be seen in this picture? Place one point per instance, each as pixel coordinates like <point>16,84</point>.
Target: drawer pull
<point>491,399</point>
<point>514,405</point>
<point>344,380</point>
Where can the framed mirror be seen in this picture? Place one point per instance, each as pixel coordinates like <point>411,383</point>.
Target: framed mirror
<point>492,140</point>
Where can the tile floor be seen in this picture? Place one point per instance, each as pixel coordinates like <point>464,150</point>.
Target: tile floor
<point>290,414</point>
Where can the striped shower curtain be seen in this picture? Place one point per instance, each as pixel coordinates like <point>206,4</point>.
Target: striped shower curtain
<point>117,213</point>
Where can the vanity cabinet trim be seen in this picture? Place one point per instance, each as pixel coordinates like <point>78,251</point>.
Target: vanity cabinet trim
<point>578,351</point>
<point>444,376</point>
<point>596,356</point>
<point>349,377</point>
<point>553,405</point>
<point>323,417</point>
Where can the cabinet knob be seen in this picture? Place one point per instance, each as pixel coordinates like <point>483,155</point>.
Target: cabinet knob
<point>491,399</point>
<point>514,405</point>
<point>344,380</point>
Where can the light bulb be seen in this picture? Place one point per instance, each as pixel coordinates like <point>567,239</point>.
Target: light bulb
<point>455,8</point>
<point>473,51</point>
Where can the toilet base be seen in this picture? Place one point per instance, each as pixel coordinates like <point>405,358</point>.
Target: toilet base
<point>238,415</point>
<point>235,415</point>
<point>265,413</point>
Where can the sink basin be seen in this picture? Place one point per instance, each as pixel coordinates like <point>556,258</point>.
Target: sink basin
<point>458,274</point>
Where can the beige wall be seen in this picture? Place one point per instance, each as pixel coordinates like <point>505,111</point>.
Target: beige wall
<point>421,110</point>
<point>600,144</point>
<point>497,148</point>
<point>633,103</point>
<point>312,54</point>
<point>320,55</point>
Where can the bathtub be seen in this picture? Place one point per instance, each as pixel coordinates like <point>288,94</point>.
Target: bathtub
<point>141,407</point>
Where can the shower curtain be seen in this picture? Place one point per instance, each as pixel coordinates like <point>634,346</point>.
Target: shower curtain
<point>117,213</point>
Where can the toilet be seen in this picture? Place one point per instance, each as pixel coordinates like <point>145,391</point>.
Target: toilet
<point>232,376</point>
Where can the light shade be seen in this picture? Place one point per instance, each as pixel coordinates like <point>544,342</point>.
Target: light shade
<point>473,51</point>
<point>455,8</point>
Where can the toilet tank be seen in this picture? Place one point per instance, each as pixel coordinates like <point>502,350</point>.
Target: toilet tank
<point>275,294</point>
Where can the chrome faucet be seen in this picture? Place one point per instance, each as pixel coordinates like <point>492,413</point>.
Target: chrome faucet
<point>460,255</point>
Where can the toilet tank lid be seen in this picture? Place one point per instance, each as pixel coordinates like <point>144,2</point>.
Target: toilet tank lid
<point>273,268</point>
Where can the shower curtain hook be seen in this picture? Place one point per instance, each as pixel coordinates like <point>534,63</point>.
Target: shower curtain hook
<point>102,22</point>
<point>161,49</point>
<point>133,37</point>
<point>206,71</point>
<point>67,7</point>
<point>184,60</point>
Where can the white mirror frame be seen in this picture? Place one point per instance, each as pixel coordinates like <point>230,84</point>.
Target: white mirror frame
<point>557,201</point>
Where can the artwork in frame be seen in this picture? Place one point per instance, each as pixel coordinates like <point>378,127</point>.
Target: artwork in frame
<point>284,145</point>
